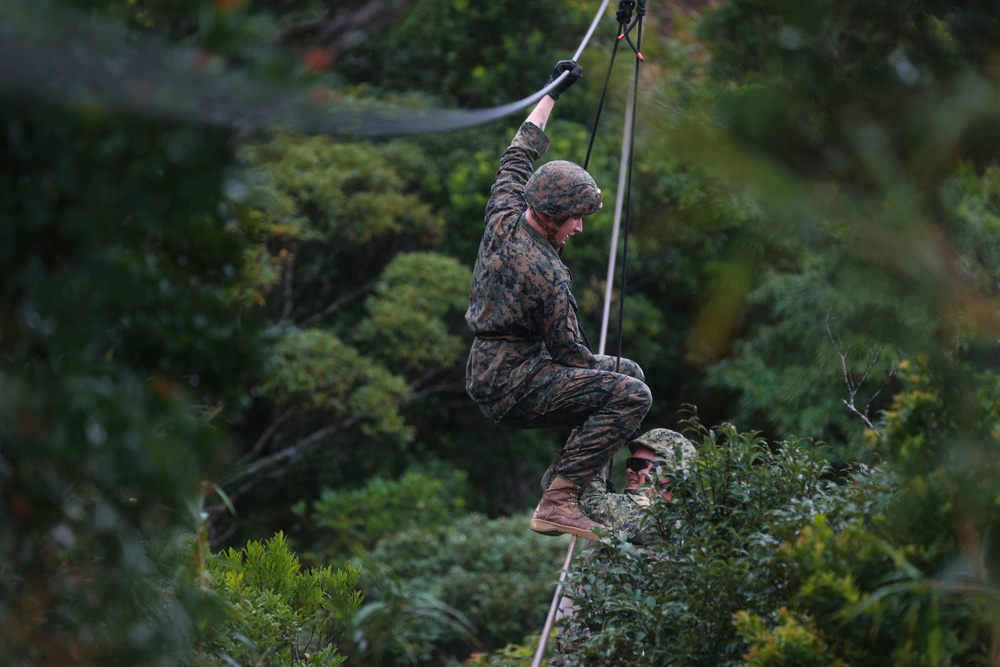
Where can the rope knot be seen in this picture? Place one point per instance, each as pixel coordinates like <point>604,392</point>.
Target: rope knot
<point>625,9</point>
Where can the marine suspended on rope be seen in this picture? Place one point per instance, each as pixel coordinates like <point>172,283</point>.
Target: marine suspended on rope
<point>529,366</point>
<point>625,27</point>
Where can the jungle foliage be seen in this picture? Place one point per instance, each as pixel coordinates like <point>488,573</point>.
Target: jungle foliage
<point>234,427</point>
<point>279,613</point>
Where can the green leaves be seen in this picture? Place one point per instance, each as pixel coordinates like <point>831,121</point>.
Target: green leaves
<point>495,574</point>
<point>348,519</point>
<point>409,312</point>
<point>280,612</point>
<point>316,370</point>
<point>316,189</point>
<point>719,552</point>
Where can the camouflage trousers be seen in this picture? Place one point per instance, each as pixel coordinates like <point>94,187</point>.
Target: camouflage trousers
<point>604,408</point>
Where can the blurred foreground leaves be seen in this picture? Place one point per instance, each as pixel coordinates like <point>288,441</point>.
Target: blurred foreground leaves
<point>121,342</point>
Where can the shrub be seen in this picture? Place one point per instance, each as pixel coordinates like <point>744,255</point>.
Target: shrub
<point>915,583</point>
<point>673,603</point>
<point>512,655</point>
<point>279,614</point>
<point>474,581</point>
<point>349,520</point>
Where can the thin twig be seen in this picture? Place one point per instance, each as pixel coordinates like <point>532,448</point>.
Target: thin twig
<point>277,463</point>
<point>272,428</point>
<point>852,386</point>
<point>338,303</point>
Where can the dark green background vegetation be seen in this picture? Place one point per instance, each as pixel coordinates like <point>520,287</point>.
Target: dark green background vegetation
<point>233,426</point>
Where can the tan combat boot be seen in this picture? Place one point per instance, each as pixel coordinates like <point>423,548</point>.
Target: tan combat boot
<point>558,512</point>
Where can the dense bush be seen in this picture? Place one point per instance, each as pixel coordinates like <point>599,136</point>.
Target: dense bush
<point>512,655</point>
<point>916,583</point>
<point>340,522</point>
<point>279,614</point>
<point>437,582</point>
<point>673,602</point>
<point>474,582</point>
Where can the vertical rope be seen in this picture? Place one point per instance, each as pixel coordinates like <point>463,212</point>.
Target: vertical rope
<point>604,96</point>
<point>628,189</point>
<point>554,607</point>
<point>619,203</point>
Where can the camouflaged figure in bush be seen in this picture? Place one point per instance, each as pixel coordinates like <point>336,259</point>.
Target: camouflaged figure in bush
<point>529,366</point>
<point>673,451</point>
<point>627,512</point>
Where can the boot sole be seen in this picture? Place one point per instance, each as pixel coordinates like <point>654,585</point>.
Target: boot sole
<point>553,529</point>
<point>537,527</point>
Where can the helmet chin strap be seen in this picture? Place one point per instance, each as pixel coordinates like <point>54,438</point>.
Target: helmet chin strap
<point>549,226</point>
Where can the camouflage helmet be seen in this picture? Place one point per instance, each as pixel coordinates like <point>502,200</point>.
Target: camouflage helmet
<point>561,190</point>
<point>662,442</point>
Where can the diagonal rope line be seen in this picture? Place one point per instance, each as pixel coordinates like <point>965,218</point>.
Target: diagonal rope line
<point>58,55</point>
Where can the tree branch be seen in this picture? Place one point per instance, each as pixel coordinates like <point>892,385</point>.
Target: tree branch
<point>274,465</point>
<point>852,385</point>
<point>438,381</point>
<point>269,433</point>
<point>337,304</point>
<point>279,462</point>
<point>250,471</point>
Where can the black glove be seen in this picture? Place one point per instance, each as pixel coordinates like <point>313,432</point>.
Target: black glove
<point>575,73</point>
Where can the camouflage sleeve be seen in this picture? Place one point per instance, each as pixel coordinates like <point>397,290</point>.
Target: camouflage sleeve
<point>618,512</point>
<point>516,167</point>
<point>561,331</point>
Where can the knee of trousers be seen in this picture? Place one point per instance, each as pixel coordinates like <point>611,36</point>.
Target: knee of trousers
<point>640,400</point>
<point>629,401</point>
<point>637,396</point>
<point>632,369</point>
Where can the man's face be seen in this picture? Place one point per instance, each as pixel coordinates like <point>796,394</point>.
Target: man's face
<point>636,478</point>
<point>637,473</point>
<point>568,228</point>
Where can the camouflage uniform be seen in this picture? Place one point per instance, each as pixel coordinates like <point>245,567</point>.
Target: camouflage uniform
<point>528,366</point>
<point>627,512</point>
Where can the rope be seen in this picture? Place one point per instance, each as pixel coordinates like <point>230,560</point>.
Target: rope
<point>628,188</point>
<point>623,16</point>
<point>550,619</point>
<point>619,204</point>
<point>63,56</point>
<point>600,105</point>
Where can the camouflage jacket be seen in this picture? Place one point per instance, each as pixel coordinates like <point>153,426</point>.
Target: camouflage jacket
<point>619,512</point>
<point>521,307</point>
